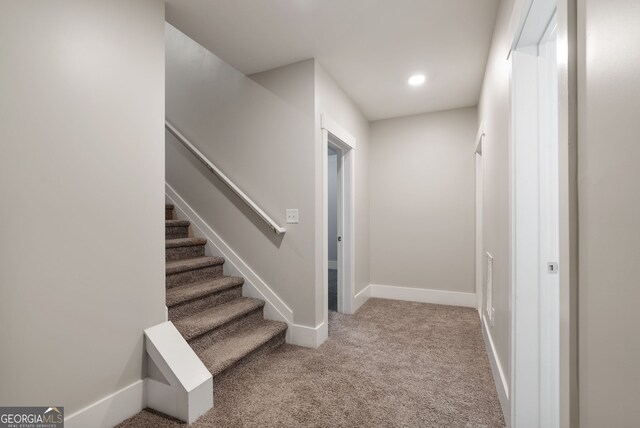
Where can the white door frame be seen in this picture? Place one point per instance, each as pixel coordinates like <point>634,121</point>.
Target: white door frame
<point>534,356</point>
<point>345,144</point>
<point>525,359</point>
<point>549,224</point>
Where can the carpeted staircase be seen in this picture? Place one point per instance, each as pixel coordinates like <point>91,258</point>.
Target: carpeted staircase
<point>207,307</point>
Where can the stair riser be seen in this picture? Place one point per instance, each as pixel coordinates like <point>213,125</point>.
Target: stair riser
<point>272,344</point>
<point>192,276</point>
<point>189,308</point>
<point>181,253</point>
<point>175,232</point>
<point>168,213</point>
<point>202,342</point>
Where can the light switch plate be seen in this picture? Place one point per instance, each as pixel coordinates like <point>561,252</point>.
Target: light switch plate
<point>292,216</point>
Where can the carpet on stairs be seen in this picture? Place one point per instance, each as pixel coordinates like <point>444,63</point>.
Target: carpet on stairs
<point>207,307</point>
<point>392,364</point>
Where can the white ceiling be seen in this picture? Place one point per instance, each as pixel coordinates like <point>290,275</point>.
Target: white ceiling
<point>370,47</point>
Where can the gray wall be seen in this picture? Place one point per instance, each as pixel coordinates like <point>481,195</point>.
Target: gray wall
<point>422,201</point>
<point>265,144</point>
<point>494,113</point>
<point>330,99</point>
<point>81,179</point>
<point>609,211</point>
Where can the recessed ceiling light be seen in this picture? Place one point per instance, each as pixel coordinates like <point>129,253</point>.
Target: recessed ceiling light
<point>417,79</point>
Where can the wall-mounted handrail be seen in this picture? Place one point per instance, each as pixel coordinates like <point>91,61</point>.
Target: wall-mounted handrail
<point>226,180</point>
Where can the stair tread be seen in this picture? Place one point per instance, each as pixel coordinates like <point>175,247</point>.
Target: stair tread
<point>185,265</point>
<point>168,206</point>
<point>216,316</point>
<point>226,352</point>
<point>177,223</point>
<point>185,293</point>
<point>184,242</point>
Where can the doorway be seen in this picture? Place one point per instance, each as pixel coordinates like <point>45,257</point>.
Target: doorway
<point>333,235</point>
<point>338,162</point>
<point>535,242</point>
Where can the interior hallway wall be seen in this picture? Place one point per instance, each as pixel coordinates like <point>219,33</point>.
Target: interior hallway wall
<point>609,212</point>
<point>332,101</point>
<point>82,185</point>
<point>494,114</point>
<point>422,201</point>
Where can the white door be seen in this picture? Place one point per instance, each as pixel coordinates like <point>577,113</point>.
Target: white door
<point>549,233</point>
<point>535,387</point>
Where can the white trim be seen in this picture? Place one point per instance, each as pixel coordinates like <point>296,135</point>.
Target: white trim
<point>334,127</point>
<point>525,221</point>
<point>499,378</point>
<point>533,352</point>
<point>112,409</point>
<point>361,298</point>
<point>179,384</point>
<point>438,297</point>
<point>174,357</point>
<point>254,286</point>
<point>533,16</point>
<point>549,229</point>
<point>333,264</point>
<point>310,337</point>
<point>488,270</point>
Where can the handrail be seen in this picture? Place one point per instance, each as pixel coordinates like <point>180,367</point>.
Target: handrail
<point>226,180</point>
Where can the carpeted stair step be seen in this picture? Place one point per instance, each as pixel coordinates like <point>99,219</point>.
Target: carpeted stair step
<point>176,229</point>
<point>210,325</point>
<point>184,248</point>
<point>230,350</point>
<point>223,328</point>
<point>189,299</point>
<point>182,272</point>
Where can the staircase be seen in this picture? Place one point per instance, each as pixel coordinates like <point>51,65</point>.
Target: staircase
<point>207,307</point>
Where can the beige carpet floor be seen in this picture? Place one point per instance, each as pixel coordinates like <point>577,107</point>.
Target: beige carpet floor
<point>392,364</point>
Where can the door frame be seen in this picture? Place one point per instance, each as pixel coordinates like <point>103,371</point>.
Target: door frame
<point>549,233</point>
<point>530,360</point>
<point>345,144</point>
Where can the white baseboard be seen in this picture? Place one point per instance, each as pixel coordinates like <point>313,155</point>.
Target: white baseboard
<point>112,409</point>
<point>254,286</point>
<point>439,297</point>
<point>333,264</point>
<point>361,298</point>
<point>310,337</point>
<point>497,370</point>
